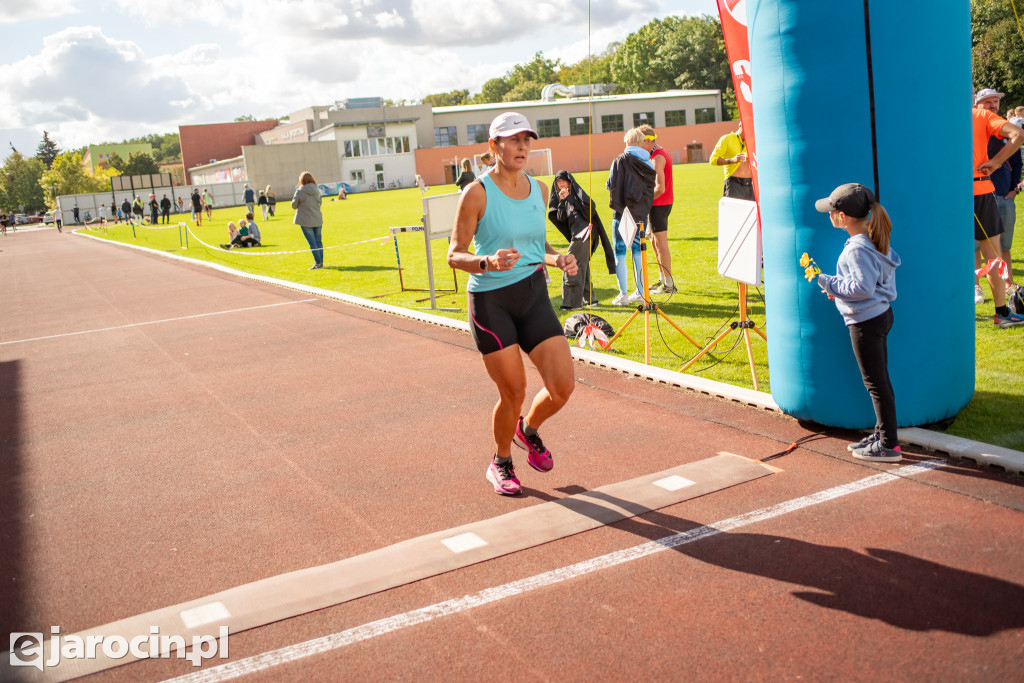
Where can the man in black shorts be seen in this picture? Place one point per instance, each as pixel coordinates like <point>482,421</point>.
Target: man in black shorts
<point>660,210</point>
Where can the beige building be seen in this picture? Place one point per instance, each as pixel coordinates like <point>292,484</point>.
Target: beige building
<point>367,145</point>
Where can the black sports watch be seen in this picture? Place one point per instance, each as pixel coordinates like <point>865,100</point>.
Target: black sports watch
<point>483,263</point>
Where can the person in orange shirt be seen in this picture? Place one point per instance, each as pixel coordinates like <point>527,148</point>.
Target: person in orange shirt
<point>987,224</point>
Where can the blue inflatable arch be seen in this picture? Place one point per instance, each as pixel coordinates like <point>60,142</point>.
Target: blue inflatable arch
<point>822,72</point>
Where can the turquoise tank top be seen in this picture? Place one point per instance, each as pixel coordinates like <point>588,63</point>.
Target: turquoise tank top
<point>510,224</point>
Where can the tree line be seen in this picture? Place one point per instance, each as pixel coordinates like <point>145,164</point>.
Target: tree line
<point>665,54</point>
<point>31,184</point>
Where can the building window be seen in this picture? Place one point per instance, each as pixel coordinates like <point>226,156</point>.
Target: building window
<point>477,132</point>
<point>640,118</point>
<point>377,147</point>
<point>675,118</point>
<point>611,123</point>
<point>356,176</point>
<point>549,128</point>
<point>445,136</point>
<point>579,125</point>
<point>706,115</point>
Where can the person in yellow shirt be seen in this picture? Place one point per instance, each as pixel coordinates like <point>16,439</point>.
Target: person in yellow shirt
<point>731,152</point>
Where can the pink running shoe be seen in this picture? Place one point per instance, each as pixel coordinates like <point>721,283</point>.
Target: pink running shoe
<point>538,457</point>
<point>503,477</point>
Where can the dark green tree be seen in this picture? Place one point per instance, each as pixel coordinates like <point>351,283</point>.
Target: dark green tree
<point>997,50</point>
<point>694,50</point>
<point>140,163</point>
<point>524,91</point>
<point>447,99</point>
<point>47,150</point>
<point>595,69</point>
<point>115,162</point>
<point>636,67</point>
<point>19,178</point>
<point>247,117</point>
<point>537,70</point>
<point>493,91</point>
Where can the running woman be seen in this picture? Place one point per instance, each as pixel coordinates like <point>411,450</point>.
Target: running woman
<point>502,214</point>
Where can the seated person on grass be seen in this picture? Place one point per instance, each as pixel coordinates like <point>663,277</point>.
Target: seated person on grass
<point>254,230</point>
<point>240,236</point>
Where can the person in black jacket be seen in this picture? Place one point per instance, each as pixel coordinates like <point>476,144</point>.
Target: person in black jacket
<point>575,216</point>
<point>165,209</point>
<point>154,210</point>
<point>467,175</point>
<point>631,181</point>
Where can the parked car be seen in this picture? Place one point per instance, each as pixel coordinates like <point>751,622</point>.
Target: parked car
<point>48,218</point>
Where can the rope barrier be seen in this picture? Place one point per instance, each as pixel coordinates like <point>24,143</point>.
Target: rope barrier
<point>248,251</point>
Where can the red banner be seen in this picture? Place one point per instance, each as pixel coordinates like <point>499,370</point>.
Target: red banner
<point>733,14</point>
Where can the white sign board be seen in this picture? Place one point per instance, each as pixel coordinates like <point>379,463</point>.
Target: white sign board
<point>739,241</point>
<point>439,214</point>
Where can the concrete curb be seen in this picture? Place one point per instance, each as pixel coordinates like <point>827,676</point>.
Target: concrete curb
<point>954,447</point>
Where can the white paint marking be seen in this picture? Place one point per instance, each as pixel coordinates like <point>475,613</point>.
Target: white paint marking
<point>291,653</point>
<point>204,614</point>
<point>154,322</point>
<point>673,483</point>
<point>464,542</point>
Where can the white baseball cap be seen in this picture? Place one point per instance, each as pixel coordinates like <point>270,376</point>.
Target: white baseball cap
<point>985,93</point>
<point>509,124</point>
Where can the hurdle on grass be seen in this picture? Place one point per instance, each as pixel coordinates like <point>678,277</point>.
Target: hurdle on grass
<point>438,219</point>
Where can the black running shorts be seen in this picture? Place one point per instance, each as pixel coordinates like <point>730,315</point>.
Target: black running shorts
<point>519,313</point>
<point>987,222</point>
<point>659,217</point>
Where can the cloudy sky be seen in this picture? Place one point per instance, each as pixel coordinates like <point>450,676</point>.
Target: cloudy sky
<point>89,71</point>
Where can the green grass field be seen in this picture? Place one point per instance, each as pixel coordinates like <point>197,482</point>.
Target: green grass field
<point>705,303</point>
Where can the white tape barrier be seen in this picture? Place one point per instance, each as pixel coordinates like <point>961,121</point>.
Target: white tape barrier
<point>249,250</point>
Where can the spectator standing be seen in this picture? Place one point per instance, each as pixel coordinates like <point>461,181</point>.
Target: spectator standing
<point>575,216</point>
<point>262,201</point>
<point>165,208</point>
<point>660,210</point>
<point>74,212</point>
<point>987,223</point>
<point>181,204</point>
<point>731,152</point>
<point>197,206</point>
<point>271,201</point>
<point>126,209</point>
<point>631,181</point>
<point>154,210</point>
<point>466,177</point>
<point>306,202</point>
<point>249,198</point>
<point>208,203</point>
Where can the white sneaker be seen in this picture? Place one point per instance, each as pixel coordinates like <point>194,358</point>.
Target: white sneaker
<point>635,298</point>
<point>620,300</point>
<point>979,296</point>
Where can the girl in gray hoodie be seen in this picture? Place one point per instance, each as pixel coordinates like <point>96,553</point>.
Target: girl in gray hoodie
<point>863,288</point>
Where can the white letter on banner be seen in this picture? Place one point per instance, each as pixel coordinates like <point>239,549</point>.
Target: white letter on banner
<point>741,67</point>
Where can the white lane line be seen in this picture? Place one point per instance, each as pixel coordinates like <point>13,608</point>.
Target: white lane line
<point>154,322</point>
<point>291,653</point>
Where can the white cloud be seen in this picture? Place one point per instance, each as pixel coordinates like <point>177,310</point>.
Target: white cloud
<point>12,11</point>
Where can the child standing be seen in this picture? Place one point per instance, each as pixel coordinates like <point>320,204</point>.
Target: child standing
<point>863,288</point>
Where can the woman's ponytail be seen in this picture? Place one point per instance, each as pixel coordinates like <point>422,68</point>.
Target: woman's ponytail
<point>879,228</point>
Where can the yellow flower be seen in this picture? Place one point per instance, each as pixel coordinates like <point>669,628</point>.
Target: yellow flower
<point>805,260</point>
